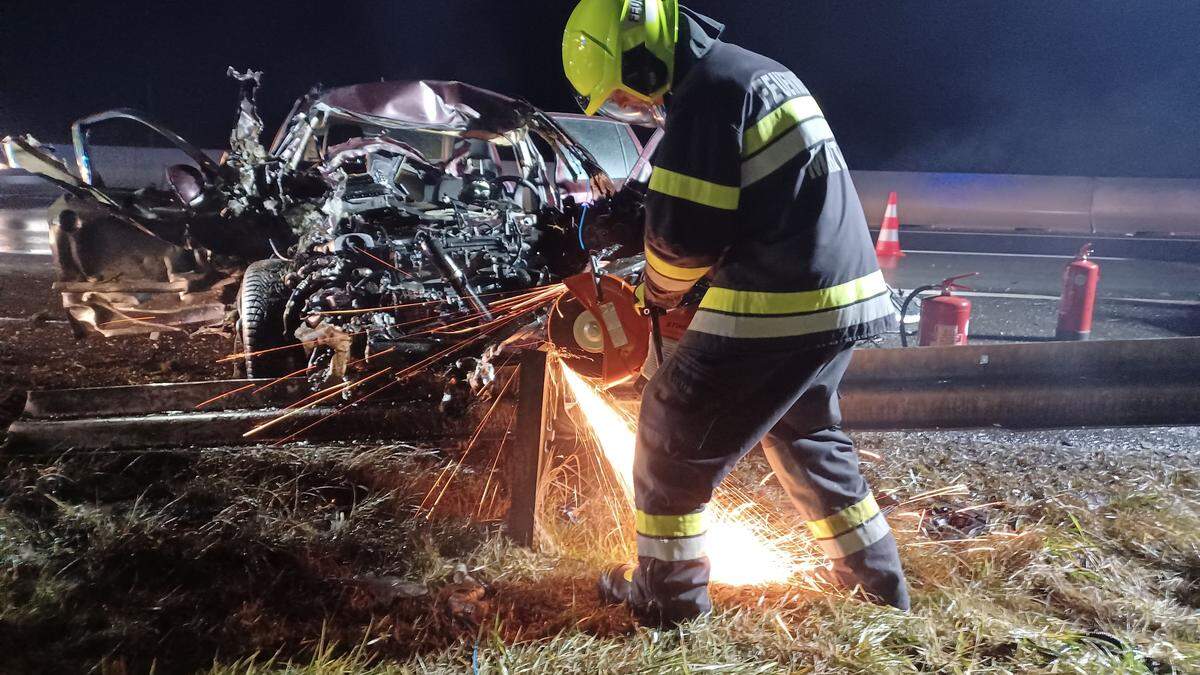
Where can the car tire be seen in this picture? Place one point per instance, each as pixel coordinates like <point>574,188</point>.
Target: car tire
<point>261,301</point>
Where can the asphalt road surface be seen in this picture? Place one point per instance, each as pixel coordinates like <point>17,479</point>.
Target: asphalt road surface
<point>1022,274</point>
<point>24,230</point>
<point>1014,298</point>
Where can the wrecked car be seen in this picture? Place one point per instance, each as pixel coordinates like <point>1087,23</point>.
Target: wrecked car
<point>383,218</point>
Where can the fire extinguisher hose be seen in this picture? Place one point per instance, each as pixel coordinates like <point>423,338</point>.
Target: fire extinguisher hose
<point>904,308</point>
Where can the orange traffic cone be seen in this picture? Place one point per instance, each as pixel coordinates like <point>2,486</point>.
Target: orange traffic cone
<point>887,246</point>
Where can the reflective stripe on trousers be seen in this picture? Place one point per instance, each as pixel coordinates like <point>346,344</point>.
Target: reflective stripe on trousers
<point>850,530</point>
<point>671,538</point>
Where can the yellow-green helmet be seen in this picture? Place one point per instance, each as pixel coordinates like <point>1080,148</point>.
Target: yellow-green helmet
<point>620,45</point>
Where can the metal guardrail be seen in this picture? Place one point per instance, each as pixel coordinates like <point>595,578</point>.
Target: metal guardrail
<point>214,413</point>
<point>1025,386</point>
<point>1016,386</point>
<point>1022,386</point>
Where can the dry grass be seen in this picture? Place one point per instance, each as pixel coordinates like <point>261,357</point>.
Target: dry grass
<point>1064,552</point>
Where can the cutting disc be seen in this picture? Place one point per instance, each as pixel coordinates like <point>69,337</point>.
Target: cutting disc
<point>600,334</point>
<point>577,334</point>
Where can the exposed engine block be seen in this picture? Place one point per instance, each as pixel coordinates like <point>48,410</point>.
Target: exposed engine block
<point>388,268</point>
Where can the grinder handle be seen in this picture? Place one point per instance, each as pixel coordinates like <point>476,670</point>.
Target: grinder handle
<point>655,333</point>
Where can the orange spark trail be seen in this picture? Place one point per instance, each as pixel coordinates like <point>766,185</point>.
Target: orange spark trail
<point>242,355</point>
<point>132,319</point>
<point>277,380</point>
<point>397,378</point>
<point>743,547</point>
<point>512,295</point>
<point>218,397</point>
<point>470,445</point>
<point>495,463</point>
<point>321,420</point>
<point>521,305</point>
<point>328,394</point>
<point>508,308</point>
<point>294,373</point>
<point>381,260</point>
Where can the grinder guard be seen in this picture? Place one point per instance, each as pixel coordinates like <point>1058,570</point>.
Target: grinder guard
<point>598,330</point>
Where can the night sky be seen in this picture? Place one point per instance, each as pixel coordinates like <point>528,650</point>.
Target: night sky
<point>1100,88</point>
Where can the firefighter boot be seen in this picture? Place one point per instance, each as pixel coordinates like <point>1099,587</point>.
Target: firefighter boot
<point>842,581</point>
<point>617,587</point>
<point>616,584</point>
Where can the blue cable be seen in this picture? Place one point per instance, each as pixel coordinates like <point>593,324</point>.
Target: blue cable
<point>582,218</point>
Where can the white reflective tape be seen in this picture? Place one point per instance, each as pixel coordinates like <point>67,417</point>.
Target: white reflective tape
<point>857,539</point>
<point>671,550</point>
<point>745,326</point>
<point>890,212</point>
<point>815,131</point>
<point>799,139</point>
<point>889,234</point>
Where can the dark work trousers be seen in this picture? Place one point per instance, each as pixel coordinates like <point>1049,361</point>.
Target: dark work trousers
<point>701,413</point>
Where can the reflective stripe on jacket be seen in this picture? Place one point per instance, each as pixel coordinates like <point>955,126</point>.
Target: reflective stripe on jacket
<point>750,189</point>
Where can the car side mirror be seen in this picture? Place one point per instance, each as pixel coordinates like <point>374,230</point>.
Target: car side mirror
<point>187,183</point>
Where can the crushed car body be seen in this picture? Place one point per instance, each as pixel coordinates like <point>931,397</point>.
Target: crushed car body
<point>382,219</point>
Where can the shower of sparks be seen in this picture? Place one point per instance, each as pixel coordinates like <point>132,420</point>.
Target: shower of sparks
<point>218,397</point>
<point>505,308</point>
<point>506,312</point>
<point>502,295</point>
<point>323,395</point>
<point>384,262</point>
<point>744,547</point>
<point>449,472</point>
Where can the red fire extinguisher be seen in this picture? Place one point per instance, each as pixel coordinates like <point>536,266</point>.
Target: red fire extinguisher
<point>945,318</point>
<point>1078,300</point>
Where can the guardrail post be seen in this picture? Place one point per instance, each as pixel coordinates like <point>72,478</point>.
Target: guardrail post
<point>528,459</point>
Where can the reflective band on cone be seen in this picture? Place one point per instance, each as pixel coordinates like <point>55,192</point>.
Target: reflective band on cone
<point>888,243</point>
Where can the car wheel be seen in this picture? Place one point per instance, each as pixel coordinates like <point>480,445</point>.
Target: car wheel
<point>261,301</point>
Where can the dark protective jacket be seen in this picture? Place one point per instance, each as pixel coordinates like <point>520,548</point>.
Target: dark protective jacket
<point>750,189</point>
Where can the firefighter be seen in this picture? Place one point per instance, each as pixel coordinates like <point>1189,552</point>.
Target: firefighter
<point>750,191</point>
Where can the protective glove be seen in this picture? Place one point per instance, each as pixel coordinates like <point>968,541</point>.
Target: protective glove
<point>648,296</point>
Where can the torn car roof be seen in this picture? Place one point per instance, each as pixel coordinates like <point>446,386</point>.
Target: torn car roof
<point>429,104</point>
